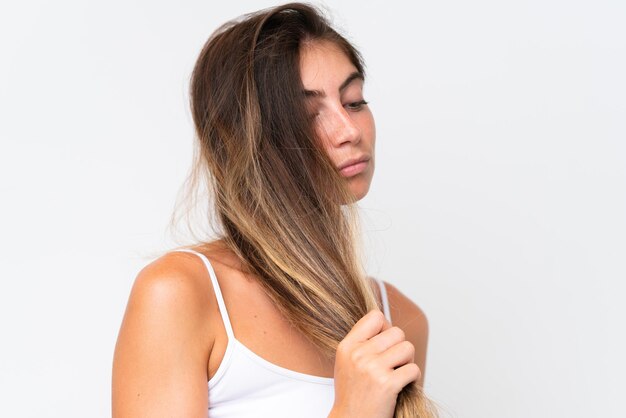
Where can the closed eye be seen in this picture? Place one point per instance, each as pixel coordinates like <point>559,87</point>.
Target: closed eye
<point>356,106</point>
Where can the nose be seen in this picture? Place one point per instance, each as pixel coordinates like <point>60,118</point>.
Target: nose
<point>342,128</point>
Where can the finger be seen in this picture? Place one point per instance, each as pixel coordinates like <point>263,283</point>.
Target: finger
<point>368,326</point>
<point>386,339</point>
<point>398,355</point>
<point>404,375</point>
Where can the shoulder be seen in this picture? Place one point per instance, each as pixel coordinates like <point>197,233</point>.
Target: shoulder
<point>164,340</point>
<point>408,316</point>
<point>174,286</point>
<point>174,271</point>
<point>404,312</point>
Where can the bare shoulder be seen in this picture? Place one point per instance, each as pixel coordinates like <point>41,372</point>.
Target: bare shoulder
<point>406,315</point>
<point>173,288</point>
<point>159,365</point>
<point>404,312</point>
<point>175,271</point>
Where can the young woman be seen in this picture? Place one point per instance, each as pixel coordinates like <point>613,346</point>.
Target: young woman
<point>276,318</point>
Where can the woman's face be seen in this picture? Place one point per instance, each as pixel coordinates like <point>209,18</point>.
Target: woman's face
<point>341,117</point>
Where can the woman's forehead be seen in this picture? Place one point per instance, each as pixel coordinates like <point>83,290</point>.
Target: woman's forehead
<point>324,65</point>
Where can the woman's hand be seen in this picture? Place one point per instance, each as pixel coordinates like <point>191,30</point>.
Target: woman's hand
<point>372,365</point>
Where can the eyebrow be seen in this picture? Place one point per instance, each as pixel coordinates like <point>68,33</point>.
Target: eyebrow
<point>357,75</point>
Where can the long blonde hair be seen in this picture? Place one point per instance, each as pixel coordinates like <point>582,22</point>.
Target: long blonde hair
<point>282,207</point>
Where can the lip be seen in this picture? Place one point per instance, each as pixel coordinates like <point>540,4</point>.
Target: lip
<point>354,166</point>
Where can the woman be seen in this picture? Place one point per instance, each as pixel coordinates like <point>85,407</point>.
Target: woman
<point>277,315</point>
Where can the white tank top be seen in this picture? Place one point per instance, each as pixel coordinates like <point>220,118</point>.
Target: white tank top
<point>245,385</point>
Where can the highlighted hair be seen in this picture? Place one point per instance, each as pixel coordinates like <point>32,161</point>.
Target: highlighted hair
<point>282,207</point>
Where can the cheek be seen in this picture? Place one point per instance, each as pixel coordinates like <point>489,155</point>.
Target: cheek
<point>368,128</point>
<point>318,128</point>
<point>322,140</point>
<point>322,135</point>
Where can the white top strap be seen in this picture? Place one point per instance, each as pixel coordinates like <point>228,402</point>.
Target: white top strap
<point>383,298</point>
<point>222,305</point>
<point>216,289</point>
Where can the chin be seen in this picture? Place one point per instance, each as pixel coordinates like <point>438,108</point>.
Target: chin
<point>359,188</point>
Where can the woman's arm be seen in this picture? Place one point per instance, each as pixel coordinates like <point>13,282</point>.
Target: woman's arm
<point>160,361</point>
<point>411,319</point>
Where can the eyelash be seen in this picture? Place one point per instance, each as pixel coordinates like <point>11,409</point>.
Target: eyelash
<point>356,106</point>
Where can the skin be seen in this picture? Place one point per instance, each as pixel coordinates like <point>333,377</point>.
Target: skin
<point>172,338</point>
<point>343,123</point>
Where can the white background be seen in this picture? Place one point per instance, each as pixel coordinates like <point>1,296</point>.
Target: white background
<point>498,205</point>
